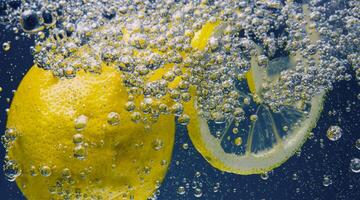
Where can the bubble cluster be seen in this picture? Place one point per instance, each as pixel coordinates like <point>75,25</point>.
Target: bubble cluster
<point>304,48</point>
<point>142,36</point>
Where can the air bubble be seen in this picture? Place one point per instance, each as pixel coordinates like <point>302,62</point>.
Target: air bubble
<point>334,133</point>
<point>113,118</point>
<point>357,144</point>
<point>80,152</point>
<point>45,171</point>
<point>157,144</point>
<point>11,170</point>
<point>183,119</point>
<point>80,122</point>
<point>78,139</point>
<point>198,192</point>
<point>264,176</point>
<point>6,46</point>
<point>327,181</point>
<point>355,165</point>
<point>181,190</point>
<point>30,21</point>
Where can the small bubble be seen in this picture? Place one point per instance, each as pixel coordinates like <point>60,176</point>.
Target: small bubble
<point>33,170</point>
<point>253,118</point>
<point>334,133</point>
<point>78,138</point>
<point>235,130</point>
<point>157,144</point>
<point>311,135</point>
<point>66,173</point>
<point>80,122</point>
<point>355,165</point>
<point>113,118</point>
<point>295,177</point>
<point>264,176</point>
<point>285,128</point>
<point>80,152</point>
<point>6,46</point>
<point>181,190</point>
<point>163,162</point>
<point>135,117</point>
<point>238,141</point>
<point>69,72</point>
<point>130,106</point>
<point>45,171</point>
<point>197,174</point>
<point>185,146</point>
<point>357,144</point>
<point>184,119</point>
<point>327,181</point>
<point>177,109</point>
<point>198,192</point>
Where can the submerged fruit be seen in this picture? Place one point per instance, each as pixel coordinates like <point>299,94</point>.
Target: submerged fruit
<point>76,140</point>
<point>264,136</point>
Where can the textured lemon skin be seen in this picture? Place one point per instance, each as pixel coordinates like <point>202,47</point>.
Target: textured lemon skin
<point>121,161</point>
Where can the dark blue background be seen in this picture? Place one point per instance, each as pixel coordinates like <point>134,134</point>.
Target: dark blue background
<point>315,160</point>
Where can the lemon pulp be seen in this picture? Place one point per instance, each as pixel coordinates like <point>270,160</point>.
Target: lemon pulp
<point>264,139</point>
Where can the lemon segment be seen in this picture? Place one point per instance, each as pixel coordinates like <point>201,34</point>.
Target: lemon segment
<point>125,160</point>
<point>250,81</point>
<point>267,138</point>
<point>202,36</point>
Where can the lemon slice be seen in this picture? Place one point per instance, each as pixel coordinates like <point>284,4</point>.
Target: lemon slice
<point>264,139</point>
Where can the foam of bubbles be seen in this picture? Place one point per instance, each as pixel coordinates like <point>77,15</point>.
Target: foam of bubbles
<point>63,28</point>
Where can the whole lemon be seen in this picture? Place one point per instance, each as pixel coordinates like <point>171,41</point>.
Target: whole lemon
<point>75,139</point>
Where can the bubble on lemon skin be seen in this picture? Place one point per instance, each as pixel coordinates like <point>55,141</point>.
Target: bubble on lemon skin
<point>157,144</point>
<point>334,133</point>
<point>355,165</point>
<point>33,171</point>
<point>113,118</point>
<point>80,122</point>
<point>78,139</point>
<point>80,152</point>
<point>9,137</point>
<point>45,171</point>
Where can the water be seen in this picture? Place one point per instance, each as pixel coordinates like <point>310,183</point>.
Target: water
<point>330,159</point>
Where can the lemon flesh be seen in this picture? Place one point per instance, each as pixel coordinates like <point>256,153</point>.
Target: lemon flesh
<point>122,161</point>
<point>265,139</point>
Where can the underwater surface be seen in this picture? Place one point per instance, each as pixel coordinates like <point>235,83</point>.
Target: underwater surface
<point>321,169</point>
